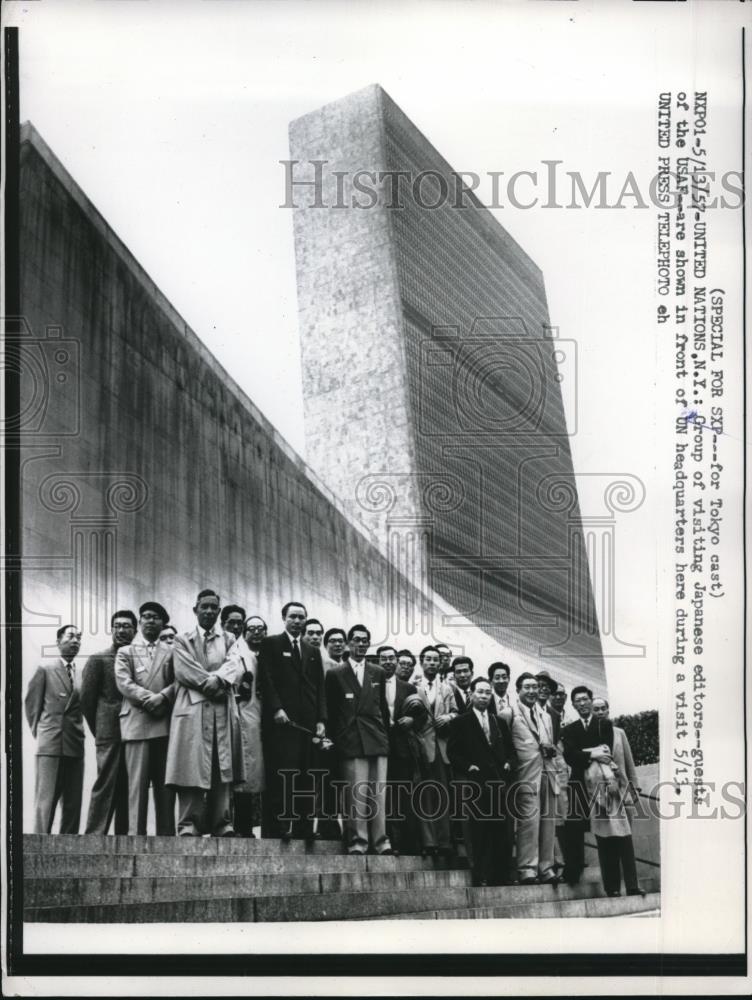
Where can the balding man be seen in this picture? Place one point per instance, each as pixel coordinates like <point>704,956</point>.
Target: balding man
<point>53,711</point>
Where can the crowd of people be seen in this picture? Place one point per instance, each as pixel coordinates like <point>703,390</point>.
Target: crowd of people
<point>309,734</point>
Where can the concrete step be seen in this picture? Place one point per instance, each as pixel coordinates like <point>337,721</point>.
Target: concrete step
<point>53,892</point>
<point>326,904</point>
<point>91,843</point>
<point>596,906</point>
<point>135,865</point>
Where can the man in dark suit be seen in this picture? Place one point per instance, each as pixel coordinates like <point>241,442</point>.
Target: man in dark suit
<point>401,821</point>
<point>293,710</point>
<point>498,675</point>
<point>463,675</point>
<point>358,724</point>
<point>483,758</point>
<point>53,711</point>
<point>100,702</point>
<point>583,742</point>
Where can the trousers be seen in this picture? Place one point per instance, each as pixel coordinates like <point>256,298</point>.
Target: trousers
<point>109,794</point>
<point>145,762</point>
<point>206,812</point>
<point>616,856</point>
<point>536,828</point>
<point>365,802</point>
<point>58,778</point>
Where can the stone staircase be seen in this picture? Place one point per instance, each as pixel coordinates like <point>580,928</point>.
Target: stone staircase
<point>94,879</point>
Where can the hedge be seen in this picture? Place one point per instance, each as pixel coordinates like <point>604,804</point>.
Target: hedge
<point>642,733</point>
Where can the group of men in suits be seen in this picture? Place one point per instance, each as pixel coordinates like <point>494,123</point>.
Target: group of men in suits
<point>424,753</point>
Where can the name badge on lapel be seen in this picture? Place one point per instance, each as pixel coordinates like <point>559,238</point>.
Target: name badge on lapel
<point>349,695</point>
<point>285,653</point>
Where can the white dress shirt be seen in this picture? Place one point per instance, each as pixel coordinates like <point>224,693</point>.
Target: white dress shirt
<point>501,702</point>
<point>485,725</point>
<point>358,669</point>
<point>391,694</point>
<point>431,687</point>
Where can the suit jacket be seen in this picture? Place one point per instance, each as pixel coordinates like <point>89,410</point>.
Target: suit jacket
<point>136,679</point>
<point>53,710</point>
<point>399,738</point>
<point>492,704</point>
<point>358,716</point>
<point>467,746</point>
<point>532,766</point>
<point>429,737</point>
<point>575,740</point>
<point>100,698</point>
<point>301,695</point>
<point>461,700</point>
<point>555,722</point>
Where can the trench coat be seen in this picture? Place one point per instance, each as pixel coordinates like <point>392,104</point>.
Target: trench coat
<point>249,716</point>
<point>612,812</point>
<point>194,717</point>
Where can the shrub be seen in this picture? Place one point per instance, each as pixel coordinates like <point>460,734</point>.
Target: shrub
<point>642,733</point>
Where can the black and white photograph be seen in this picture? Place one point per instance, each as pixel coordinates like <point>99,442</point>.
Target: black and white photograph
<point>374,439</point>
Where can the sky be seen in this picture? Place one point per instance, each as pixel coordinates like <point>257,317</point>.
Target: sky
<point>175,124</point>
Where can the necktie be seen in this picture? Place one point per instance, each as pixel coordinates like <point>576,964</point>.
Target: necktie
<point>533,721</point>
<point>296,654</point>
<point>431,694</point>
<point>71,675</point>
<point>150,650</point>
<point>486,729</point>
<point>207,637</point>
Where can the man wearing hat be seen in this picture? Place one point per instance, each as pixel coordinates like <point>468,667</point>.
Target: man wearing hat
<point>546,687</point>
<point>145,678</point>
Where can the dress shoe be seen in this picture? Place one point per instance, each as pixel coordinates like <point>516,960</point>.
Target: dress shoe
<point>312,837</point>
<point>192,832</point>
<point>615,893</point>
<point>528,880</point>
<point>636,892</point>
<point>226,831</point>
<point>286,836</point>
<point>550,880</point>
<point>445,852</point>
<point>480,885</point>
<point>386,853</point>
<point>356,852</point>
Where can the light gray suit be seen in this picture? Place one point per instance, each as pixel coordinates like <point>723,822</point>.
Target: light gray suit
<point>434,766</point>
<point>144,734</point>
<point>53,711</point>
<point>532,797</point>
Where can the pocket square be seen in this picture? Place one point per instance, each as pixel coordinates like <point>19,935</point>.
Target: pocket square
<point>285,653</point>
<point>349,694</point>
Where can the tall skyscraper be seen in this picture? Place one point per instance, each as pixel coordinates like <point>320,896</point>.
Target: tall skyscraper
<point>432,382</point>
